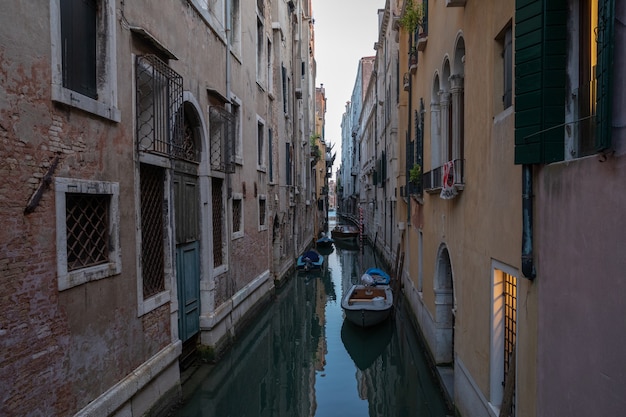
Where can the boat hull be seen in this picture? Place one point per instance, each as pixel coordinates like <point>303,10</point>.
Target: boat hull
<point>366,306</point>
<point>345,233</point>
<point>310,261</point>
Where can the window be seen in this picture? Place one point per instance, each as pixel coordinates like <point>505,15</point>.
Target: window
<point>159,104</point>
<point>260,51</point>
<point>152,188</point>
<point>504,40</point>
<point>260,135</point>
<point>87,221</point>
<point>503,337</point>
<point>222,139</point>
<point>219,245</point>
<point>545,128</point>
<point>270,68</point>
<point>581,136</point>
<point>237,215</point>
<point>213,12</point>
<point>286,89</point>
<point>235,26</point>
<point>235,110</point>
<point>262,213</point>
<point>288,164</point>
<point>270,145</point>
<point>83,55</point>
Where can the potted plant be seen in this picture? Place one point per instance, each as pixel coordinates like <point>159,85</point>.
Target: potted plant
<point>413,16</point>
<point>415,173</point>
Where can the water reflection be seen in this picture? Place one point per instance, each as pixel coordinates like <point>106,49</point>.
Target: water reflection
<point>299,358</point>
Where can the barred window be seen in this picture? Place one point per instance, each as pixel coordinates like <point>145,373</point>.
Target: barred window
<point>219,256</point>
<point>222,135</point>
<point>87,218</point>
<point>159,105</point>
<point>87,221</point>
<point>152,229</point>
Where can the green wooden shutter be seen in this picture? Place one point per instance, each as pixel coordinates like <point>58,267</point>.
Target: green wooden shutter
<point>604,74</point>
<point>540,77</point>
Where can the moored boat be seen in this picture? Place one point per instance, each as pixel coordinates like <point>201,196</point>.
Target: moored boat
<point>370,302</point>
<point>325,241</point>
<point>345,232</point>
<point>310,261</point>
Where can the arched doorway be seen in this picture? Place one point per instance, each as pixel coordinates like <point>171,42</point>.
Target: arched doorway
<point>187,223</point>
<point>444,308</point>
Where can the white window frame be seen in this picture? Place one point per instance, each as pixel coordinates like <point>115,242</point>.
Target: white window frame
<point>69,279</point>
<point>146,305</point>
<point>496,355</point>
<point>261,64</point>
<point>236,111</point>
<point>235,26</point>
<point>106,104</point>
<point>261,127</point>
<point>214,14</point>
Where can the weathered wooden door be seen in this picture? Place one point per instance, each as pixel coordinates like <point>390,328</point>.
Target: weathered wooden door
<point>187,200</point>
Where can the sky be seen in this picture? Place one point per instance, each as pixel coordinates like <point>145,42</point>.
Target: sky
<point>345,31</point>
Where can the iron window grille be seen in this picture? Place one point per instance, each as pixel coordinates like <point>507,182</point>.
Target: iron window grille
<point>433,180</point>
<point>152,229</point>
<point>222,137</point>
<point>87,230</point>
<point>160,114</point>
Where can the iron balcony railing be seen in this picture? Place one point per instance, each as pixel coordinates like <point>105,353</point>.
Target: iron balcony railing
<point>433,180</point>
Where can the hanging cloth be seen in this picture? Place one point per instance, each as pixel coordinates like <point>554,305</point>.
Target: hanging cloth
<point>448,189</point>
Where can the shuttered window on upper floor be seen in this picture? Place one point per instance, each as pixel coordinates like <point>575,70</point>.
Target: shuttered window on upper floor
<point>541,80</point>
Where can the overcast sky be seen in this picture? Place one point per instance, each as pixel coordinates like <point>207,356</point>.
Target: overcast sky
<point>345,31</point>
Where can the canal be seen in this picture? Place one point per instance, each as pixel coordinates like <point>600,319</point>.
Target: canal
<point>300,358</point>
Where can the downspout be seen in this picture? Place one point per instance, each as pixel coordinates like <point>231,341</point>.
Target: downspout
<point>407,138</point>
<point>528,267</point>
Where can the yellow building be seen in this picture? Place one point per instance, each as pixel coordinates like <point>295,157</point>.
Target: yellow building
<point>460,214</point>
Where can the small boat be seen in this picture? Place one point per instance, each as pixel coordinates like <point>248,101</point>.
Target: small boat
<point>310,261</point>
<point>325,241</point>
<point>345,232</point>
<point>369,303</point>
<point>378,277</point>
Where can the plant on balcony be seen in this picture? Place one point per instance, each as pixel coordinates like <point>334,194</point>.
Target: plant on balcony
<point>413,16</point>
<point>415,174</point>
<point>413,58</point>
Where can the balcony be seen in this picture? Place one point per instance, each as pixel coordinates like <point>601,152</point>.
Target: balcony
<point>413,61</point>
<point>406,79</point>
<point>422,40</point>
<point>433,180</point>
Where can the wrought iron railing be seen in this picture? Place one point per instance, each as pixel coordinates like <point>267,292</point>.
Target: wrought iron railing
<point>433,180</point>
<point>222,139</point>
<point>160,114</point>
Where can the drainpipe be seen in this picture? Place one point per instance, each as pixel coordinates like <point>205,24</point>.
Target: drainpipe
<point>228,46</point>
<point>528,267</point>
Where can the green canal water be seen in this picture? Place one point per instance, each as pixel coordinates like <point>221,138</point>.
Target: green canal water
<point>300,358</point>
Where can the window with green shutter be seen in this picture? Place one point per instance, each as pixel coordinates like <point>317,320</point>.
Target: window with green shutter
<point>563,79</point>
<point>604,74</point>
<point>540,59</point>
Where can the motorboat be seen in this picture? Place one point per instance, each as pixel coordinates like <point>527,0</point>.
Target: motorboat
<point>370,302</point>
<point>310,261</point>
<point>345,232</point>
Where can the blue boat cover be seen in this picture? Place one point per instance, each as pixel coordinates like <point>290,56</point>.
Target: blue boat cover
<point>311,255</point>
<point>380,277</point>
